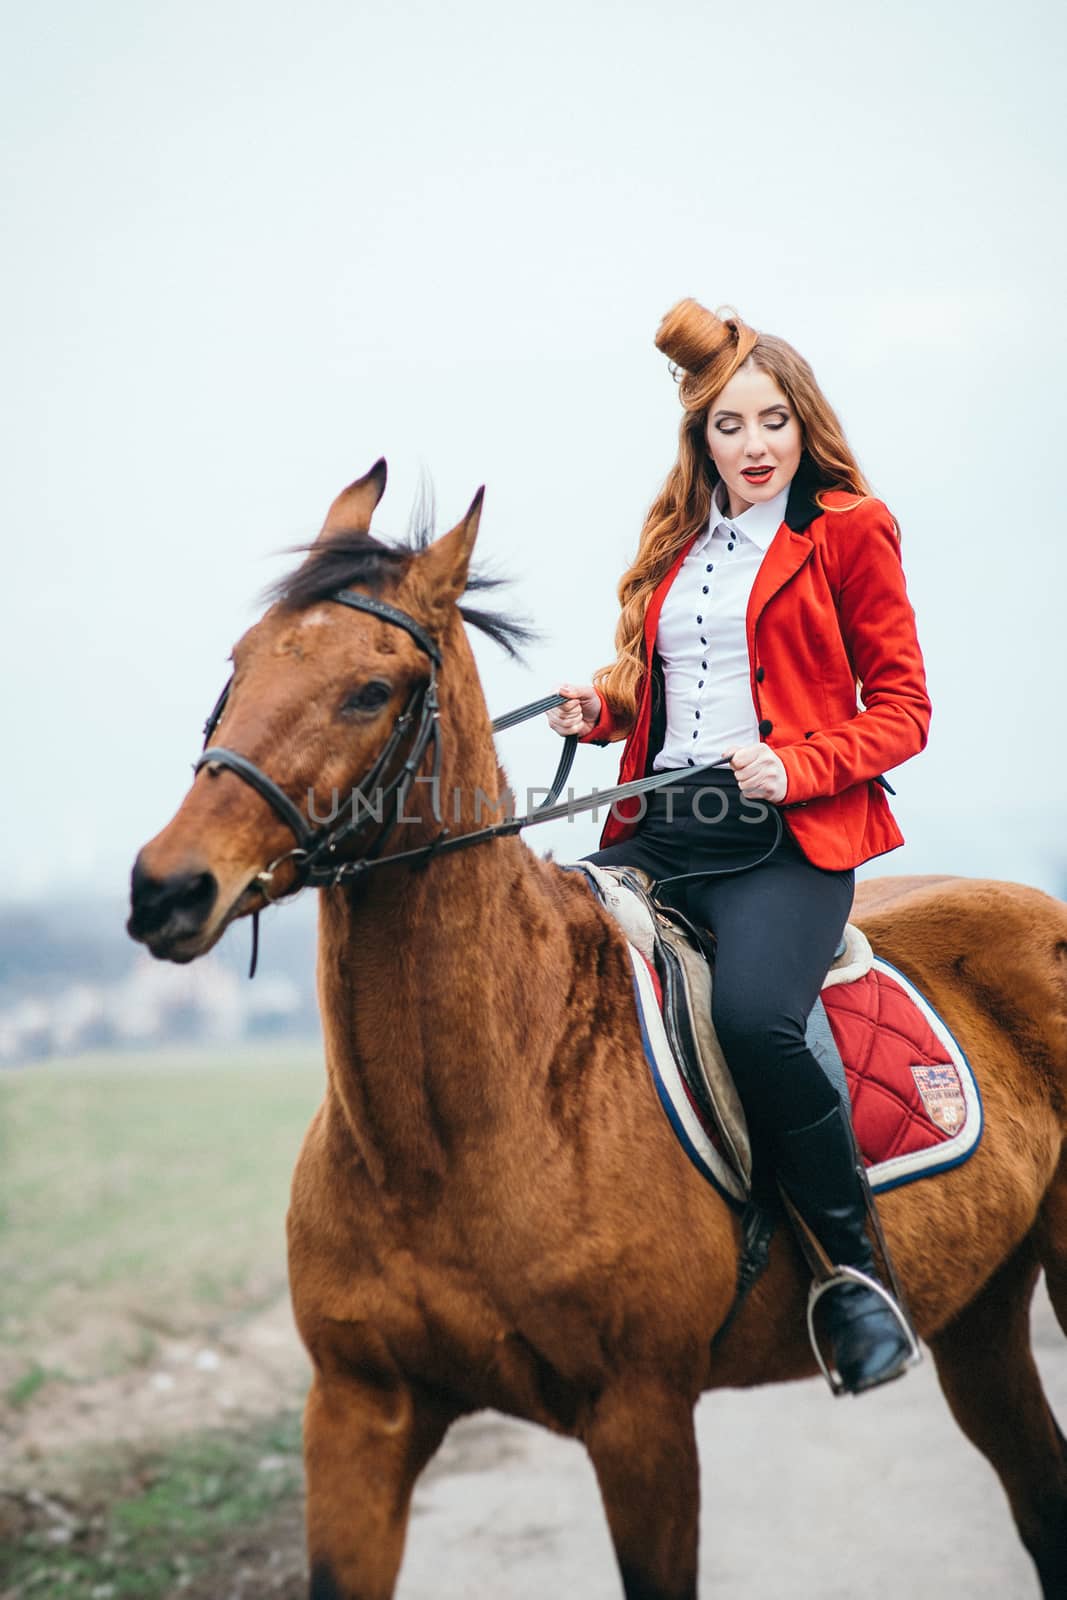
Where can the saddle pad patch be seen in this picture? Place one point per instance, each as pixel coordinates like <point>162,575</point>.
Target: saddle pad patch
<point>942,1095</point>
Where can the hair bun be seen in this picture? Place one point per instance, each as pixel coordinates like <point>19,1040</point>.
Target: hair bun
<point>691,336</point>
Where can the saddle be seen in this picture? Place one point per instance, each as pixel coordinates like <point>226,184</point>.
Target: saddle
<point>911,1094</point>
<point>681,955</point>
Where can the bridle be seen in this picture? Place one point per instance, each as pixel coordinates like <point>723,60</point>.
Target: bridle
<point>314,857</point>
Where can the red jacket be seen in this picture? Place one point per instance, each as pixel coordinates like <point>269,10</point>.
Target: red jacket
<point>828,607</point>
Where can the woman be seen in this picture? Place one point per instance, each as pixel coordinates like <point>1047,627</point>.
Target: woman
<point>767,582</point>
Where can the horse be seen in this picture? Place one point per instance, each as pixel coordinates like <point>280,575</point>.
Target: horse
<point>489,1209</point>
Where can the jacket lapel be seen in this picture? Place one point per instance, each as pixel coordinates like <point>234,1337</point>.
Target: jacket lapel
<point>790,547</point>
<point>656,599</point>
<point>786,554</point>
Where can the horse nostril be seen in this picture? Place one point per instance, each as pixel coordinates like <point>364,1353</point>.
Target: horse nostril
<point>195,894</point>
<point>179,904</point>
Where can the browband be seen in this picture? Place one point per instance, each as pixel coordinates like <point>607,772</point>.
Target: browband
<point>381,608</point>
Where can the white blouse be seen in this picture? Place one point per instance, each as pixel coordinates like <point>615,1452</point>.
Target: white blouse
<point>701,635</point>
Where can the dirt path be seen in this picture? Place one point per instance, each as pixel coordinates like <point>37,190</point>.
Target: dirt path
<point>252,1368</point>
<point>802,1496</point>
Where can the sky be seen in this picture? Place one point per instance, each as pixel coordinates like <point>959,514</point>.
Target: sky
<point>247,249</point>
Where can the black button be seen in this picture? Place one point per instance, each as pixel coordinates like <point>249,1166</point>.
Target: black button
<point>704,665</point>
<point>700,619</point>
<point>760,674</point>
<point>710,567</point>
<point>694,733</point>
<point>729,547</point>
<point>704,590</point>
<point>690,760</point>
<point>696,713</point>
<point>702,639</point>
<point>700,685</point>
<point>810,734</point>
<point>766,727</point>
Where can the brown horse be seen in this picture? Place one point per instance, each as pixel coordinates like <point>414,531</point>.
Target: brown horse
<point>490,1209</point>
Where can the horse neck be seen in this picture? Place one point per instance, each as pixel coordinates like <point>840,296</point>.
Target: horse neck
<point>425,983</point>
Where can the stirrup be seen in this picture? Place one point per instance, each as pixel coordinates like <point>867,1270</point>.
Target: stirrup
<point>854,1275</point>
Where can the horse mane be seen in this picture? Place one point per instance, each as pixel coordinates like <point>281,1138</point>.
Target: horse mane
<point>349,559</point>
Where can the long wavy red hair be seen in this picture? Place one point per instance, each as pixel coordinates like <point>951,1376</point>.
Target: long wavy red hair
<point>706,350</point>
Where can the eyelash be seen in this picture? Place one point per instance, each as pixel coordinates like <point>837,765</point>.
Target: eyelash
<point>774,426</point>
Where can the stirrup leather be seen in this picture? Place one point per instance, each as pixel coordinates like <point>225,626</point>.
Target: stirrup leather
<point>854,1275</point>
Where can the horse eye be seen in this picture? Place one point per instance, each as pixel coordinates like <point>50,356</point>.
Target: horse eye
<point>371,697</point>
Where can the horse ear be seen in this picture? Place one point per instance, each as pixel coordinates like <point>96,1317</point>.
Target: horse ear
<point>352,510</point>
<point>442,566</point>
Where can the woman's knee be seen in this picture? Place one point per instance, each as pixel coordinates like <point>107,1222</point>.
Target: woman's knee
<point>751,1027</point>
<point>780,1082</point>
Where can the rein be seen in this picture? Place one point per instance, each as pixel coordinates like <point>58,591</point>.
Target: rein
<point>314,854</point>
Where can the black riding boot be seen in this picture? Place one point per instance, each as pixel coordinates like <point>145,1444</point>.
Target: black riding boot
<point>817,1169</point>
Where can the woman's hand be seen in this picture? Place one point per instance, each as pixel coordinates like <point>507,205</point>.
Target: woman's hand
<point>761,774</point>
<point>579,713</point>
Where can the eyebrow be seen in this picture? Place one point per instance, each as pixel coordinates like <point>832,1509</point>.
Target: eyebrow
<point>782,405</point>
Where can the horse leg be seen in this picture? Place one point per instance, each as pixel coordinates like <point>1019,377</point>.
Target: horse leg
<point>1052,1242</point>
<point>364,1446</point>
<point>642,1443</point>
<point>987,1372</point>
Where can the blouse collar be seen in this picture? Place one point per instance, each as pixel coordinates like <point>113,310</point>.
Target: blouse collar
<point>759,523</point>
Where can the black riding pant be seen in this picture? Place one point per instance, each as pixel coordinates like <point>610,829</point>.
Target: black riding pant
<point>777,925</point>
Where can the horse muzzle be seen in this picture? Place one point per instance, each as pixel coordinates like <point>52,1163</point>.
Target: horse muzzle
<point>170,915</point>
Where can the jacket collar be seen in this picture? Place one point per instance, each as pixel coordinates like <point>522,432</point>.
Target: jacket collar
<point>801,508</point>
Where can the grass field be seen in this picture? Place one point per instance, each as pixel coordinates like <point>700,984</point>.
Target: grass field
<point>143,1304</point>
<point>141,1194</point>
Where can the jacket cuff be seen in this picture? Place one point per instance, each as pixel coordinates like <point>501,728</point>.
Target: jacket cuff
<point>602,730</point>
<point>798,775</point>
